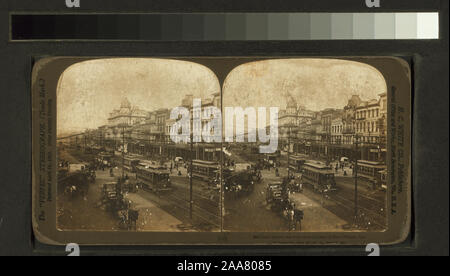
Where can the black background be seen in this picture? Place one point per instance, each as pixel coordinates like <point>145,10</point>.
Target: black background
<point>430,227</point>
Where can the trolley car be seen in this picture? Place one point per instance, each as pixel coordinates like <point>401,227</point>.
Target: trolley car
<point>105,158</point>
<point>370,170</point>
<point>296,163</point>
<point>204,170</point>
<point>319,176</point>
<point>130,163</point>
<point>153,177</point>
<point>270,160</point>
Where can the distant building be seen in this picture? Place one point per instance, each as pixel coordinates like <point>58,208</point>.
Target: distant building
<point>126,115</point>
<point>337,127</point>
<point>327,117</point>
<point>348,120</point>
<point>294,122</point>
<point>121,120</point>
<point>368,121</point>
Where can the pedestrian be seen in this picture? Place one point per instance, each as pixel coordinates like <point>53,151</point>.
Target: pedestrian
<point>291,218</point>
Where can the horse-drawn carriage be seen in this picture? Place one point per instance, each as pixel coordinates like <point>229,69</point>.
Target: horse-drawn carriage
<point>238,183</point>
<point>74,179</point>
<point>113,201</point>
<point>277,197</point>
<point>112,197</point>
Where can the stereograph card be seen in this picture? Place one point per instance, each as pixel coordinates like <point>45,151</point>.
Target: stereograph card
<point>221,150</point>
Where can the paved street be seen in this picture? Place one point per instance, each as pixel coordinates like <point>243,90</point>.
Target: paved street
<point>171,212</point>
<point>84,213</point>
<point>253,214</point>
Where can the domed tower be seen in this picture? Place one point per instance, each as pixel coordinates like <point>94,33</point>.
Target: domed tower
<point>125,104</point>
<point>291,107</point>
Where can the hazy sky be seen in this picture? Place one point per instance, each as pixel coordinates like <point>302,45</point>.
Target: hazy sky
<point>90,90</point>
<point>314,83</point>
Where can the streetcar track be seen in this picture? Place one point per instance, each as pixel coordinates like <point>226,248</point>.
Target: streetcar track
<point>376,218</point>
<point>196,202</point>
<point>173,205</point>
<point>184,204</point>
<point>346,209</point>
<point>198,197</point>
<point>371,204</point>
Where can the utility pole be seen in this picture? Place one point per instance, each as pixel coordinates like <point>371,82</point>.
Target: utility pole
<point>221,200</point>
<point>289,150</point>
<point>190,175</point>
<point>356,177</point>
<point>123,150</point>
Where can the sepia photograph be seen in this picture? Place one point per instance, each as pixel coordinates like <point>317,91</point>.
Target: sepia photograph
<point>223,150</point>
<point>328,173</point>
<point>252,131</point>
<point>118,168</point>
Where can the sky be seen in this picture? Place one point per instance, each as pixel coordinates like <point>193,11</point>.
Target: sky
<point>315,84</point>
<point>88,91</point>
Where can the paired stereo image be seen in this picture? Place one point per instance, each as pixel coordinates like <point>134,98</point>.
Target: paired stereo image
<point>274,145</point>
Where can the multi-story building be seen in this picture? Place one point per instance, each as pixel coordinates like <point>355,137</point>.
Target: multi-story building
<point>161,115</point>
<point>126,115</point>
<point>213,101</point>
<point>327,117</point>
<point>121,121</point>
<point>337,127</point>
<point>348,119</point>
<point>383,117</point>
<point>294,123</point>
<point>371,127</point>
<point>367,121</point>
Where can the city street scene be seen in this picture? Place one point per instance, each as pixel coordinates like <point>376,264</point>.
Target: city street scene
<point>120,168</point>
<point>328,173</point>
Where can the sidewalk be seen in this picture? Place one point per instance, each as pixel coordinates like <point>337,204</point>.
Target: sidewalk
<point>316,218</point>
<point>152,218</point>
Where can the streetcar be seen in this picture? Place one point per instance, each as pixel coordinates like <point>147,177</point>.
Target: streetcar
<point>270,160</point>
<point>238,183</point>
<point>153,177</point>
<point>130,163</point>
<point>105,158</point>
<point>370,170</point>
<point>204,170</point>
<point>319,176</point>
<point>296,163</point>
